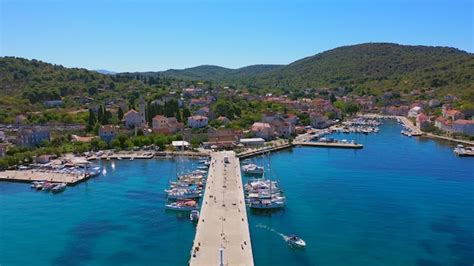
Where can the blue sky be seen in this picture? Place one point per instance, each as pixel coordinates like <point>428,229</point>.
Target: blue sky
<point>158,35</point>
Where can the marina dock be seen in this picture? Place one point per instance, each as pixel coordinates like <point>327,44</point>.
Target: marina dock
<point>222,234</point>
<point>330,144</point>
<point>263,150</point>
<point>36,175</point>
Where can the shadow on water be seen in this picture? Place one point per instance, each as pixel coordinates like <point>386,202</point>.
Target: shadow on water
<point>80,248</point>
<point>268,213</point>
<point>425,262</point>
<point>122,258</point>
<point>462,239</point>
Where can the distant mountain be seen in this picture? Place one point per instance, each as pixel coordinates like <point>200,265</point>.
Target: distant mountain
<point>105,72</point>
<point>210,72</point>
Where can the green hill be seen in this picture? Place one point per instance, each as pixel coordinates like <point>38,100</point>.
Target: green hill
<point>371,65</point>
<point>379,64</point>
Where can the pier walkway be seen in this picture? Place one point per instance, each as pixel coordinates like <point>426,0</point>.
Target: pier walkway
<point>223,226</point>
<point>346,145</point>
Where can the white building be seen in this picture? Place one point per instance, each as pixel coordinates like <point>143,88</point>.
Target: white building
<point>252,141</point>
<point>197,121</point>
<point>413,112</point>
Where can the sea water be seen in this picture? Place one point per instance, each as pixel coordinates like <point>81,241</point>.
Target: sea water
<point>397,201</point>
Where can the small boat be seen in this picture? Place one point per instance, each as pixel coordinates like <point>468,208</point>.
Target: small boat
<point>296,241</point>
<point>48,186</point>
<point>59,188</point>
<point>252,169</point>
<point>95,171</point>
<point>194,216</point>
<point>119,158</point>
<point>37,184</point>
<point>182,205</point>
<point>132,158</point>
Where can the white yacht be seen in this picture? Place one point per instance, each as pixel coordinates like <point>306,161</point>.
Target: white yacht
<point>253,169</point>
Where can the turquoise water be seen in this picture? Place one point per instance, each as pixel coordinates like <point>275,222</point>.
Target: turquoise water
<point>398,201</point>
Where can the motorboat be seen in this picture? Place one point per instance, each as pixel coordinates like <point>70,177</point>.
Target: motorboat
<point>59,188</point>
<point>37,184</point>
<point>48,186</point>
<point>188,205</point>
<point>295,241</point>
<point>253,169</point>
<point>95,171</point>
<point>267,204</point>
<point>194,216</point>
<point>183,194</point>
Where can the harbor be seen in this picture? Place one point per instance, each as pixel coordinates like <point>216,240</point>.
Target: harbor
<point>222,234</point>
<point>124,208</point>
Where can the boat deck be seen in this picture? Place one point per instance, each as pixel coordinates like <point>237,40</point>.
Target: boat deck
<point>223,221</point>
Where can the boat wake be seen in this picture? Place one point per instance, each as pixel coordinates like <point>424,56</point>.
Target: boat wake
<point>285,237</point>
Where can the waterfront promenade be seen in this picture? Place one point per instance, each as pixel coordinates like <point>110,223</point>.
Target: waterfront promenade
<point>223,225</point>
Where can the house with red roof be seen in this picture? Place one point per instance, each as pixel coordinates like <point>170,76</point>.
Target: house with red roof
<point>262,130</point>
<point>131,119</point>
<point>197,121</point>
<point>463,126</point>
<point>423,121</point>
<point>166,125</point>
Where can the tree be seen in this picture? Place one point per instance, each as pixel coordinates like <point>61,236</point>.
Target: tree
<point>332,98</point>
<point>186,114</point>
<point>120,113</point>
<point>91,121</point>
<point>178,115</point>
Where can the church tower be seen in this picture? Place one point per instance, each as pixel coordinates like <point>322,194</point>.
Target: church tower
<point>142,112</point>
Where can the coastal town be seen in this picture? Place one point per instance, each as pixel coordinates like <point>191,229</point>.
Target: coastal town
<point>196,121</point>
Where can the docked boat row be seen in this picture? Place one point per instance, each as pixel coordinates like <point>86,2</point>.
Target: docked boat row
<point>264,194</point>
<point>359,125</point>
<point>184,193</point>
<point>48,186</point>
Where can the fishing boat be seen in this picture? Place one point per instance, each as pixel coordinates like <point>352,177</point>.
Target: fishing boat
<point>194,216</point>
<point>187,205</point>
<point>295,241</point>
<point>59,188</point>
<point>253,169</point>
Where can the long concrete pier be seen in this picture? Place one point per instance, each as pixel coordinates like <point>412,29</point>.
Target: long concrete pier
<point>346,145</point>
<point>222,234</point>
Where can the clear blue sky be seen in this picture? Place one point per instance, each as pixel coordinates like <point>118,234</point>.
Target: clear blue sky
<point>158,35</point>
